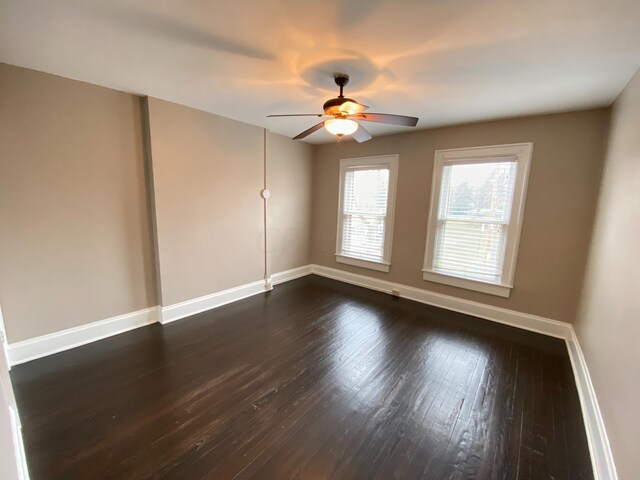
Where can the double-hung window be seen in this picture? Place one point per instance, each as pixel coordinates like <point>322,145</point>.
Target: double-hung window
<point>365,211</point>
<point>477,206</point>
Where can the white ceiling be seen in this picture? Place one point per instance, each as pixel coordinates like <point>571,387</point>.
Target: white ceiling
<point>445,61</point>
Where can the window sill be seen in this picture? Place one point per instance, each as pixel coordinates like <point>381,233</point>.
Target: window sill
<point>357,262</point>
<point>477,285</point>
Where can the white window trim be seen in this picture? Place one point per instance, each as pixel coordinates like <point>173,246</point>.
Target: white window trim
<point>390,161</point>
<point>521,153</point>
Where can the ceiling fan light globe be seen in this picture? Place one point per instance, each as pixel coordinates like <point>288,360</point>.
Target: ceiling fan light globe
<point>340,126</point>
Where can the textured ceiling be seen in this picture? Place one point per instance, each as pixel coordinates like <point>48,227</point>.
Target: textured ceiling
<point>445,61</point>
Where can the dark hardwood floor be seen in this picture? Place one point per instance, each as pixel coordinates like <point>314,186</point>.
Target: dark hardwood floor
<point>314,380</point>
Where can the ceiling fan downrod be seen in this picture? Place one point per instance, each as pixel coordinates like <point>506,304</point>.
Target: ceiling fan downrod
<point>341,80</point>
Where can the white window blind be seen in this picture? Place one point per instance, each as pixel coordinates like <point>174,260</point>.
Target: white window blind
<point>473,219</point>
<point>365,212</point>
<point>366,193</point>
<point>475,216</point>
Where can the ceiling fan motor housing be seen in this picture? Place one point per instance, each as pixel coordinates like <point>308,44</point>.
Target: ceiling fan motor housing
<point>332,106</point>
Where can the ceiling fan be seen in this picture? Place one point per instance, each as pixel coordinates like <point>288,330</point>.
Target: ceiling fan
<point>344,113</point>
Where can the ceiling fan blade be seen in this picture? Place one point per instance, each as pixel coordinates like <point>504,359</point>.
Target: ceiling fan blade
<point>298,115</point>
<point>386,118</point>
<point>309,131</point>
<point>352,107</point>
<point>361,134</point>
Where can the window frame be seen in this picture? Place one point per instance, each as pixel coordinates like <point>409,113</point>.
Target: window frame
<point>369,163</point>
<point>522,154</point>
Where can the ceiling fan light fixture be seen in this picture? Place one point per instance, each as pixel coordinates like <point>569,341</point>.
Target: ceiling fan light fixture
<point>341,110</point>
<point>340,126</point>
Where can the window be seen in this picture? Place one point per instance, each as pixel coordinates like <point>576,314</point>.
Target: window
<point>365,211</point>
<point>477,205</point>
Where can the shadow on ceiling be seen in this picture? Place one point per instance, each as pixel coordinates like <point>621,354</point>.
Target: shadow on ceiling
<point>156,25</point>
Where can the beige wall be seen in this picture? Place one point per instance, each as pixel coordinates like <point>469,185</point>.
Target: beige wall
<point>560,204</point>
<point>208,173</point>
<point>74,245</point>
<point>608,325</point>
<point>289,179</point>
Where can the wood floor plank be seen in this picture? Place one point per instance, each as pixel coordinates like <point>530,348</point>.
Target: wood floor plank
<point>316,379</point>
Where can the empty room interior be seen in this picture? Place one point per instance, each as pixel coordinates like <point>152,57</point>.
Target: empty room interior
<point>349,239</point>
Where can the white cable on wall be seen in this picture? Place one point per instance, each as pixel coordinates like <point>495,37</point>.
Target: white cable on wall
<point>265,196</point>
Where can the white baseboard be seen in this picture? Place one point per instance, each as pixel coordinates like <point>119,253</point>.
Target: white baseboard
<point>601,455</point>
<point>525,321</point>
<point>18,445</point>
<point>292,274</point>
<point>187,308</point>
<point>38,347</point>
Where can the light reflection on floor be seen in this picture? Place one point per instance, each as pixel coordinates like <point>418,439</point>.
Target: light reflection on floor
<point>372,390</point>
